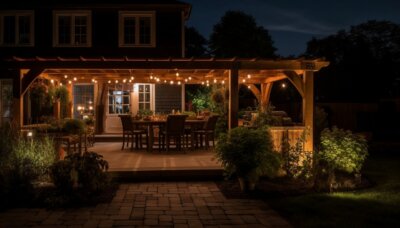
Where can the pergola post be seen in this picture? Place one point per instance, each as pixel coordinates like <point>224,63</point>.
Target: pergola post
<point>70,107</point>
<point>265,95</point>
<point>308,109</point>
<point>233,98</point>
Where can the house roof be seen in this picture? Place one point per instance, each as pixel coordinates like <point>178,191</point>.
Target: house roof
<point>90,4</point>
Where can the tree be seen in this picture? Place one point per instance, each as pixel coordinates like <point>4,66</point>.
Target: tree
<point>196,44</point>
<point>238,35</point>
<point>363,62</point>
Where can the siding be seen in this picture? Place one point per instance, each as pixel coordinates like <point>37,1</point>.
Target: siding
<point>168,97</point>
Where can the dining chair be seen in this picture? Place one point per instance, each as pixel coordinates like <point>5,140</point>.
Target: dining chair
<point>174,129</point>
<point>131,133</point>
<point>207,131</point>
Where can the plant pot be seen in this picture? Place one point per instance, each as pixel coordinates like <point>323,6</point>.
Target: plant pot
<point>246,185</point>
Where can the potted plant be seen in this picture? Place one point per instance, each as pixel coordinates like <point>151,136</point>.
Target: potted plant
<point>249,154</point>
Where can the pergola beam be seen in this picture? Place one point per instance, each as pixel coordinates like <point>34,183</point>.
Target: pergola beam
<point>295,79</point>
<point>126,63</point>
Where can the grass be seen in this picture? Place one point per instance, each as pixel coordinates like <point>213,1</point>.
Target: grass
<point>378,205</point>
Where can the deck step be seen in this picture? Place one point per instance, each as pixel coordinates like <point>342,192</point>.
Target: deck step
<point>167,175</point>
<point>108,138</point>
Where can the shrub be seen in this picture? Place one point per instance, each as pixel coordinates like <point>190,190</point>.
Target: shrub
<point>248,153</point>
<point>339,161</point>
<point>87,170</point>
<point>342,150</point>
<point>62,176</point>
<point>74,126</point>
<point>22,162</point>
<point>297,163</point>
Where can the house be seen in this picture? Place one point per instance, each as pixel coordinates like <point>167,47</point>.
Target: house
<point>123,56</point>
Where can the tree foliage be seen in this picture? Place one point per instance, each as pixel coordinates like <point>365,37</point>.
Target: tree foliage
<point>196,44</point>
<point>363,62</point>
<point>238,35</point>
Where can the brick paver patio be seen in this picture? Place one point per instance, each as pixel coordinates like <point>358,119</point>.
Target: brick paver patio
<point>172,204</point>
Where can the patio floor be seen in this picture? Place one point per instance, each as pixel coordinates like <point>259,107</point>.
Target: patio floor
<point>142,160</point>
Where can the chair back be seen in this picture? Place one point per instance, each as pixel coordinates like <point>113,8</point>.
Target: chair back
<point>175,124</point>
<point>211,122</point>
<point>126,121</point>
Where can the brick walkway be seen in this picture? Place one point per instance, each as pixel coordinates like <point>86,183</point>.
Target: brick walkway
<point>158,205</point>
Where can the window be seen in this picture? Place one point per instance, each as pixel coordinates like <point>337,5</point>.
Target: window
<point>72,29</point>
<point>144,97</point>
<point>137,29</point>
<point>16,28</point>
<point>83,99</point>
<point>119,99</point>
<point>5,100</point>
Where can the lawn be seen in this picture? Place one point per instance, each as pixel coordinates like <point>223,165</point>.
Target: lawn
<point>378,205</point>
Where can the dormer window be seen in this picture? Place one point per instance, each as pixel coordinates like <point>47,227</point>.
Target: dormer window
<point>16,28</point>
<point>137,29</point>
<point>72,29</point>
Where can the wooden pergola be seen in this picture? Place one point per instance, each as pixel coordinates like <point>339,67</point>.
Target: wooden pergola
<point>232,72</point>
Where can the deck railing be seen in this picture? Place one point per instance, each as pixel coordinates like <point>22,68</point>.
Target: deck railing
<point>288,134</point>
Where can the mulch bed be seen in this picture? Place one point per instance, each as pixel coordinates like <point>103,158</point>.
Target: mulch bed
<point>46,196</point>
<point>265,188</point>
<point>275,188</point>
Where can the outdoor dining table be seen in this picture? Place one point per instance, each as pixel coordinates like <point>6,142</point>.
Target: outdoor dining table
<point>150,124</point>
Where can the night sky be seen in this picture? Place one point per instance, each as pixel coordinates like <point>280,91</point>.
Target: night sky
<point>292,23</point>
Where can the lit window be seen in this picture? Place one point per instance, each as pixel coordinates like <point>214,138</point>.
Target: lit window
<point>144,97</point>
<point>16,28</point>
<point>83,99</point>
<point>119,99</point>
<point>137,29</point>
<point>72,29</point>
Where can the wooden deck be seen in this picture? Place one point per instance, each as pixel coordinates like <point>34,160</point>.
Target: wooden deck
<point>142,160</point>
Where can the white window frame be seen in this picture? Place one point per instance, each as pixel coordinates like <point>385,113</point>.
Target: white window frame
<point>123,104</point>
<point>135,99</point>
<point>73,14</point>
<point>17,14</point>
<point>137,15</point>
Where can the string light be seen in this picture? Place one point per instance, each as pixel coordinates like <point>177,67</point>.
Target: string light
<point>248,76</point>
<point>248,87</point>
<point>69,82</point>
<point>158,80</point>
<point>109,81</point>
<point>186,80</point>
<point>202,83</point>
<point>65,76</point>
<point>116,81</point>
<point>244,80</point>
<point>75,79</point>
<point>93,80</point>
<point>190,78</point>
<point>151,77</point>
<point>177,74</point>
<point>61,84</point>
<point>52,81</point>
<point>215,80</point>
<point>179,82</point>
<point>283,85</point>
<point>171,82</point>
<point>124,81</point>
<point>223,82</point>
